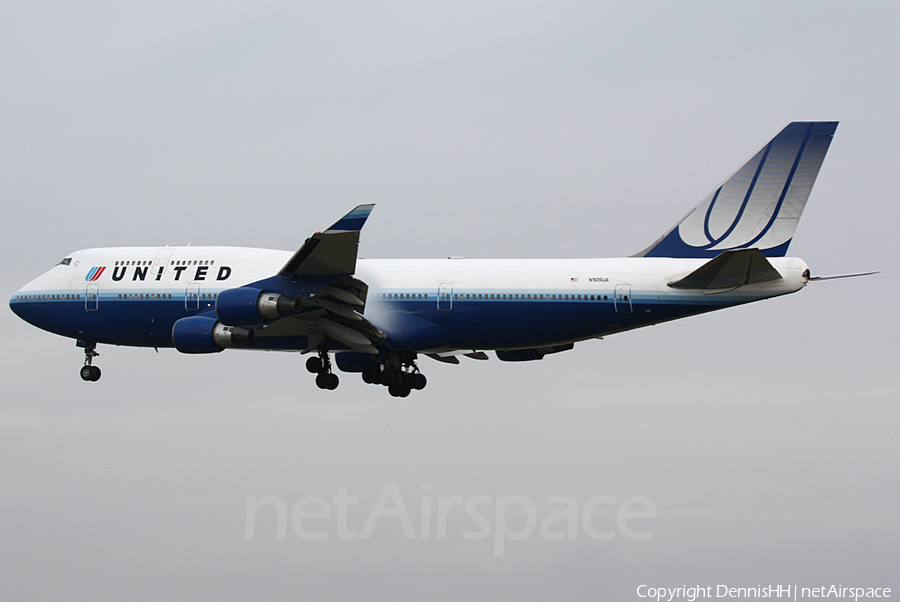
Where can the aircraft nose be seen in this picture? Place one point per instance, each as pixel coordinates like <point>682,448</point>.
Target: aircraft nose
<point>27,305</point>
<point>29,312</point>
<point>14,304</point>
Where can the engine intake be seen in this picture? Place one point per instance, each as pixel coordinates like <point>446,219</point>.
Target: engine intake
<point>205,334</point>
<point>246,306</point>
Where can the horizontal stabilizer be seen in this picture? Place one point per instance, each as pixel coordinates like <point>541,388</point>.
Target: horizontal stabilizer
<point>729,270</point>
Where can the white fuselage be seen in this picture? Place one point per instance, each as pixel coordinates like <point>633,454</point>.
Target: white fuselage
<point>133,295</point>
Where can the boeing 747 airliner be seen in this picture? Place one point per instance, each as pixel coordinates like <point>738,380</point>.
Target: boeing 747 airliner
<point>377,316</point>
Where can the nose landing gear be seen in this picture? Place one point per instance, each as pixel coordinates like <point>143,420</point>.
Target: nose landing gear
<point>89,372</point>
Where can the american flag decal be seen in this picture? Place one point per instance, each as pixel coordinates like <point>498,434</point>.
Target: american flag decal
<point>573,279</point>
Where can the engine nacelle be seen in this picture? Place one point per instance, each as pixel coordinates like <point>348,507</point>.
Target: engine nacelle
<point>205,334</point>
<point>246,306</point>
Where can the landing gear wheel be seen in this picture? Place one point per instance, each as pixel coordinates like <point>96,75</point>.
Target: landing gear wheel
<point>388,378</point>
<point>315,365</point>
<point>371,375</point>
<point>90,373</point>
<point>399,389</point>
<point>327,380</point>
<point>418,381</point>
<point>398,372</point>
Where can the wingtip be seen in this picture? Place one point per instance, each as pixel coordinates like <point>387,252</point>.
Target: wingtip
<point>354,220</point>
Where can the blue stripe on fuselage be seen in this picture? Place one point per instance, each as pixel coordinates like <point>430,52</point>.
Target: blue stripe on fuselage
<point>137,322</point>
<point>412,324</point>
<point>500,324</point>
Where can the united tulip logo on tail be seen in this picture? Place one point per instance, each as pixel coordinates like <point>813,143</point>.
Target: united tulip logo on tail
<point>94,274</point>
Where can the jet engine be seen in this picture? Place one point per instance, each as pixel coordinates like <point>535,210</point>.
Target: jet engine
<point>205,334</point>
<point>246,306</point>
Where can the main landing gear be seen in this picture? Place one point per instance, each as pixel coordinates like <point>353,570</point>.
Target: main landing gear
<point>321,367</point>
<point>398,373</point>
<point>90,372</point>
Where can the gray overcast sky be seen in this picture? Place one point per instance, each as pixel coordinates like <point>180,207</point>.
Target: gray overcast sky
<point>765,436</point>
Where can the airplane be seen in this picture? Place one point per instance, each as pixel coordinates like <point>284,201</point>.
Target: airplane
<point>377,316</point>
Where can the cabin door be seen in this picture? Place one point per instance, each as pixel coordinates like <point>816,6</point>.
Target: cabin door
<point>622,299</point>
<point>192,296</point>
<point>91,297</point>
<point>161,262</point>
<point>445,296</point>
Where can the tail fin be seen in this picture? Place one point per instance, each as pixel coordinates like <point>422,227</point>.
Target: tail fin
<point>759,205</point>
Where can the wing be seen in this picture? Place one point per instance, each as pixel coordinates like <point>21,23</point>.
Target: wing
<point>332,252</point>
<point>320,299</point>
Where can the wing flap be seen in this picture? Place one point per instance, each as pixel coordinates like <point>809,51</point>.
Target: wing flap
<point>525,355</point>
<point>348,336</point>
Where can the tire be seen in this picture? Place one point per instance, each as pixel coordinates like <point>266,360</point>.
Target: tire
<point>315,365</point>
<point>95,373</point>
<point>333,381</point>
<point>371,375</point>
<point>86,373</point>
<point>419,381</point>
<point>322,380</point>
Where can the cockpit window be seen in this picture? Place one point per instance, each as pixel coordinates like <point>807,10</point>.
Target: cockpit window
<point>66,261</point>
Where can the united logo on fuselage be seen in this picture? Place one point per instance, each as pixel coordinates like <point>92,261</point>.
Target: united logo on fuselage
<point>196,273</point>
<point>94,274</point>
